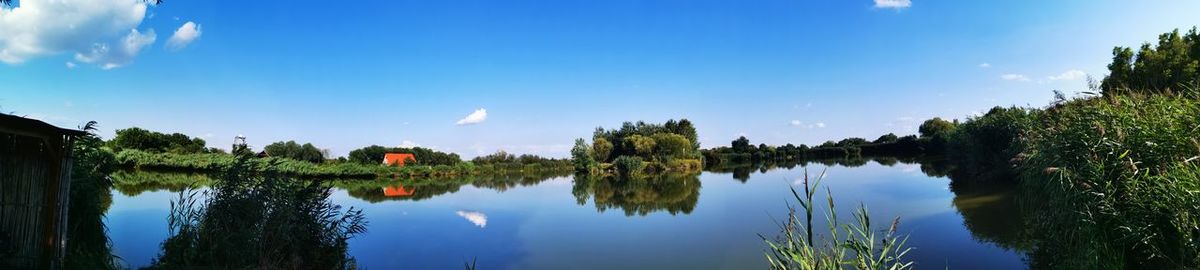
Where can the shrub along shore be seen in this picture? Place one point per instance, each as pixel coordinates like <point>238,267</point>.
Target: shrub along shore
<point>217,162</point>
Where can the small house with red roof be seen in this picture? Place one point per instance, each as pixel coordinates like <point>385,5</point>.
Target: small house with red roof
<point>398,159</point>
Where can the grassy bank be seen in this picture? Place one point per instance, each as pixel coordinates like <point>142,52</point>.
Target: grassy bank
<point>217,162</point>
<point>1107,182</point>
<point>1113,182</point>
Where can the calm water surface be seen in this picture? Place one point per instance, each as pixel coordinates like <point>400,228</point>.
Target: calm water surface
<point>707,222</point>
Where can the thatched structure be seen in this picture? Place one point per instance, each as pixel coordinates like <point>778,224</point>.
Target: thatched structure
<point>35,172</point>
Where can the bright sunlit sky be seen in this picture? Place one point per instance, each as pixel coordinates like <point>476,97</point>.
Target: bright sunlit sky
<point>348,74</point>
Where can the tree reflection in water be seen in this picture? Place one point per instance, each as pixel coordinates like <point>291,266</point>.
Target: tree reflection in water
<point>259,221</point>
<point>673,193</point>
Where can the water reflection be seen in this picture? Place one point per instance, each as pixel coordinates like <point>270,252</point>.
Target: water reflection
<point>673,193</point>
<point>475,217</point>
<point>992,215</point>
<point>133,183</point>
<point>988,214</point>
<point>248,221</point>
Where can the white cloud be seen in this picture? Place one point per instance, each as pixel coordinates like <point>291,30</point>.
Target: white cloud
<point>797,123</point>
<point>896,4</point>
<point>1015,77</point>
<point>408,144</point>
<point>70,65</point>
<point>108,58</point>
<point>1069,75</point>
<point>474,118</point>
<point>985,65</point>
<point>183,36</point>
<point>477,218</point>
<point>98,32</point>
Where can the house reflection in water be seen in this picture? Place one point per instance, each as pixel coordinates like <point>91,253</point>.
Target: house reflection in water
<point>397,191</point>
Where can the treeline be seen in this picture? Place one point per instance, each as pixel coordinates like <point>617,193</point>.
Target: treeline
<point>145,140</point>
<point>1169,67</point>
<point>741,151</point>
<point>638,148</point>
<point>140,148</point>
<point>424,156</point>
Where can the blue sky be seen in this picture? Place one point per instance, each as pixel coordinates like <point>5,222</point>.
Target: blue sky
<point>343,76</point>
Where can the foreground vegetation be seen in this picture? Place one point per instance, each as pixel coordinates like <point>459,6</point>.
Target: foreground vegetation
<point>856,245</point>
<point>1106,182</point>
<point>252,220</point>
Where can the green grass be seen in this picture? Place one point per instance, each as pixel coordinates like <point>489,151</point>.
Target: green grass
<point>854,245</point>
<point>1114,183</point>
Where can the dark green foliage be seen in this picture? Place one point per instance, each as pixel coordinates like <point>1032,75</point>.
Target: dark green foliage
<point>740,151</point>
<point>983,146</point>
<point>637,139</point>
<point>741,145</point>
<point>425,156</point>
<point>851,142</point>
<point>293,150</point>
<point>1173,66</point>
<point>936,127</point>
<point>89,246</point>
<point>581,155</point>
<point>209,163</point>
<point>145,140</point>
<point>935,134</point>
<point>250,220</point>
<point>601,149</point>
<point>1113,183</point>
<point>886,138</point>
<point>629,165</point>
<point>659,148</point>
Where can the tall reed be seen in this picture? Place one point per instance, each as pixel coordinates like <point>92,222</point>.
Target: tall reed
<point>854,245</point>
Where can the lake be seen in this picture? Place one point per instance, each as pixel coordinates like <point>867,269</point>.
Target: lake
<point>709,221</point>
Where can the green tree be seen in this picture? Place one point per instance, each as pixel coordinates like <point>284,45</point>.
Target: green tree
<point>293,150</point>
<point>936,127</point>
<point>601,149</point>
<point>670,145</point>
<point>741,145</point>
<point>887,138</point>
<point>1172,66</point>
<point>581,156</point>
<point>145,140</point>
<point>851,142</point>
<point>641,145</point>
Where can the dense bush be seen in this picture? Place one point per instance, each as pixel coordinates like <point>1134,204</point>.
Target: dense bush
<point>629,165</point>
<point>983,146</point>
<point>1113,183</point>
<point>671,146</point>
<point>293,150</point>
<point>145,140</point>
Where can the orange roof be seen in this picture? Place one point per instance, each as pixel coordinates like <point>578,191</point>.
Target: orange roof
<point>397,159</point>
<point>397,191</point>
